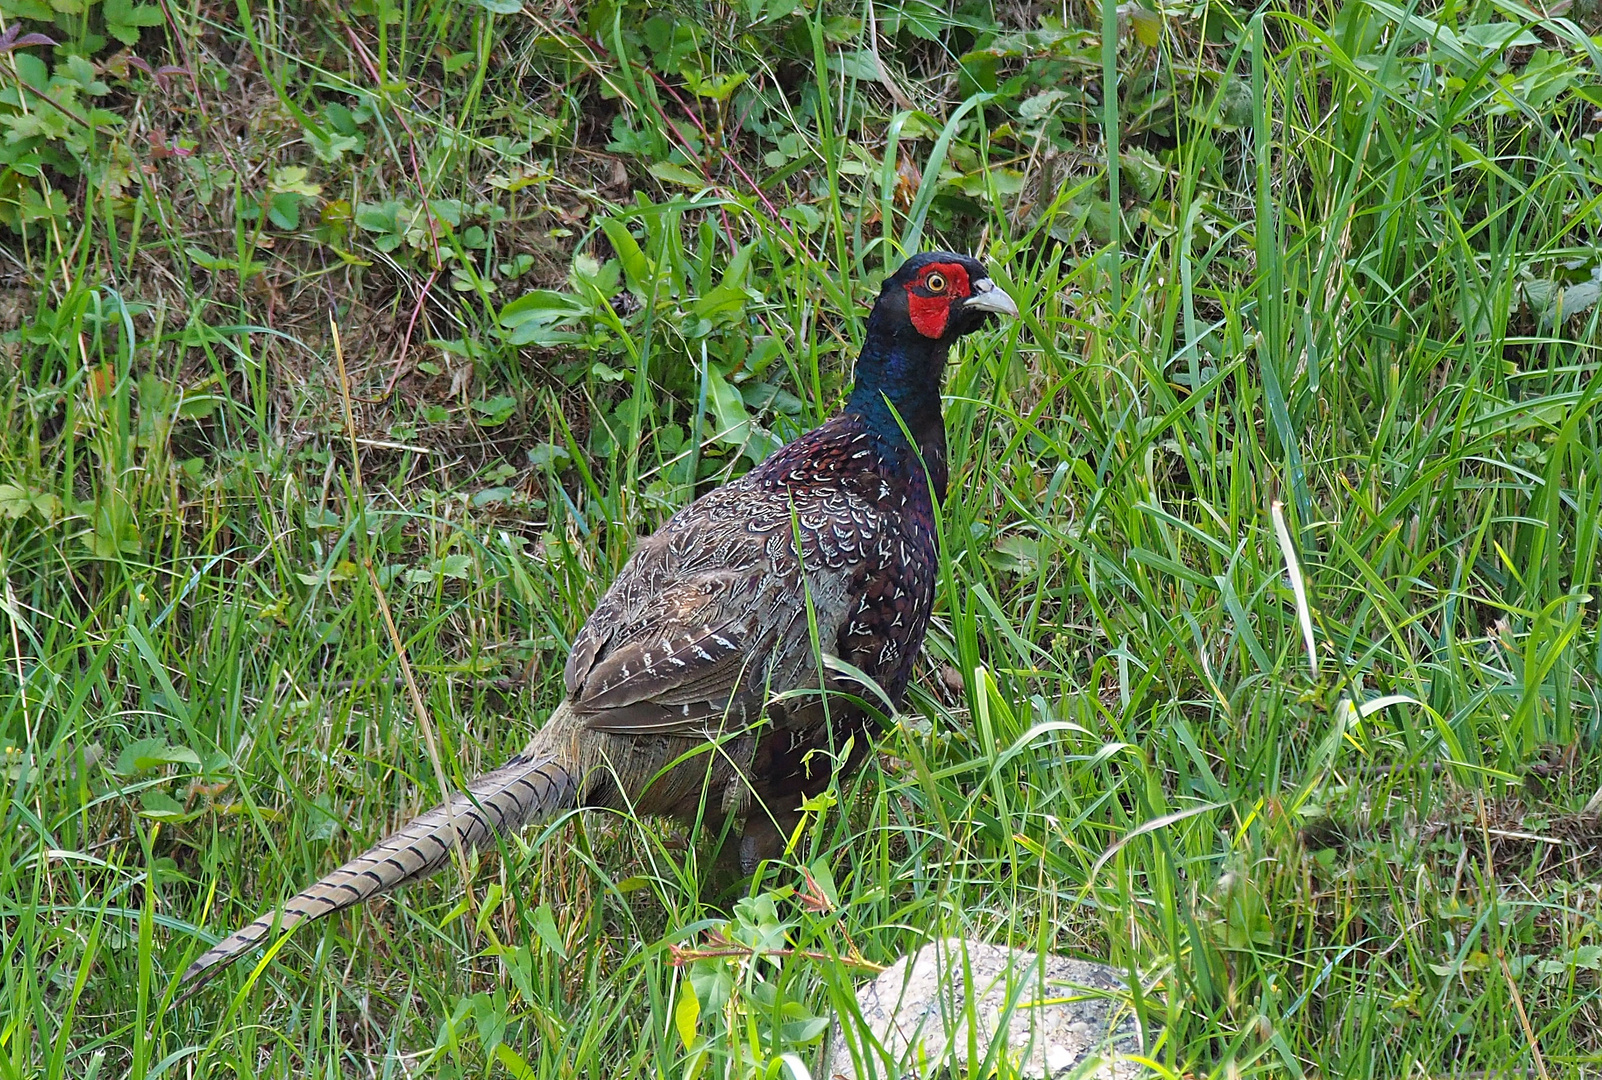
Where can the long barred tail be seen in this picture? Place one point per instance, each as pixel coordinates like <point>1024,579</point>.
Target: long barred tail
<point>500,801</point>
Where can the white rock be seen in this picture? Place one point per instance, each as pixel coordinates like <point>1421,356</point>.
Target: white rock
<point>926,1014</point>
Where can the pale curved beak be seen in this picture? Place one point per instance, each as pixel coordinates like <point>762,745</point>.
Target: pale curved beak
<point>988,296</point>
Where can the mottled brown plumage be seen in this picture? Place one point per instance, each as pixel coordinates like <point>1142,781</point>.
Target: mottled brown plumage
<point>695,688</point>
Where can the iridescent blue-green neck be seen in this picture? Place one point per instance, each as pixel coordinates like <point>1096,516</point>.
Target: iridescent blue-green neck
<point>898,373</point>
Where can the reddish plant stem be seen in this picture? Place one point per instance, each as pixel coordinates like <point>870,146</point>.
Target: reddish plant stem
<point>406,342</point>
<point>428,216</point>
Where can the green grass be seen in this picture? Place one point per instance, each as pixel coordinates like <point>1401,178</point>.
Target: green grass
<point>1354,279</point>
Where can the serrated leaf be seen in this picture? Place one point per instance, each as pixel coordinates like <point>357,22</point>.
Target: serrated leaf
<point>449,211</point>
<point>717,87</point>
<point>454,566</point>
<point>37,10</point>
<point>291,179</point>
<point>31,69</point>
<point>124,19</point>
<point>713,982</point>
<point>333,146</point>
<point>325,824</point>
<point>1141,170</point>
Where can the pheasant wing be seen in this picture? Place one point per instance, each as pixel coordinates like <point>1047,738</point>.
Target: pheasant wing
<point>691,638</point>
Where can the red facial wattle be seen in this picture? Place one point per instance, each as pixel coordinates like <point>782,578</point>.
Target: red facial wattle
<point>930,310</point>
<point>929,313</point>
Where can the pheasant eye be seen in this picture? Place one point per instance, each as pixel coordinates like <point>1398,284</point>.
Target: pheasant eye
<point>935,283</point>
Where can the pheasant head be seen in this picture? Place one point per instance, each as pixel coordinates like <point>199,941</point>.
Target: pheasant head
<point>926,305</point>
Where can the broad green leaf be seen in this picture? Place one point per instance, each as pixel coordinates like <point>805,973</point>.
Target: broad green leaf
<point>859,64</point>
<point>668,172</point>
<point>636,268</point>
<point>1147,25</point>
<point>545,927</point>
<point>153,753</point>
<point>728,409</point>
<point>686,1012</point>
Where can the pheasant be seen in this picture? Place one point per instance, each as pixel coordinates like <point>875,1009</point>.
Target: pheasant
<point>696,687</point>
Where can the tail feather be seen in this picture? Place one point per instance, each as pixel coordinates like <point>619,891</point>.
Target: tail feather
<point>497,802</point>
